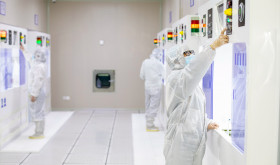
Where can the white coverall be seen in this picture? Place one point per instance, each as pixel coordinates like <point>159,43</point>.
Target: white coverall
<point>187,122</point>
<point>36,82</point>
<point>152,71</point>
<point>37,78</point>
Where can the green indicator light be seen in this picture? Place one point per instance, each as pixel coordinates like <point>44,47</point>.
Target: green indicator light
<point>195,30</point>
<point>39,42</point>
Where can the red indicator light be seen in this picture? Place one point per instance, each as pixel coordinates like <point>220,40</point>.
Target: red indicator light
<point>195,22</point>
<point>39,41</point>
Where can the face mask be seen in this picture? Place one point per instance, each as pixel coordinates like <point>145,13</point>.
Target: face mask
<point>189,58</point>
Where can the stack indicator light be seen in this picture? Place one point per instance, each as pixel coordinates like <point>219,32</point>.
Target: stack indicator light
<point>3,34</point>
<point>170,36</point>
<point>21,39</point>
<point>156,41</point>
<point>195,25</point>
<point>39,41</point>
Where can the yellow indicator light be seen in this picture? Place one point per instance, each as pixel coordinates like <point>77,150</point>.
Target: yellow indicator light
<point>182,32</point>
<point>195,26</point>
<point>228,12</point>
<point>163,38</point>
<point>3,34</point>
<point>21,37</point>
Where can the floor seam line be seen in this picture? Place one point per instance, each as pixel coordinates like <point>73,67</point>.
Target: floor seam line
<point>111,137</point>
<point>25,158</point>
<point>64,162</point>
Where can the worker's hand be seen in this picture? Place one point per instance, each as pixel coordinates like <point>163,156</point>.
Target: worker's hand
<point>223,39</point>
<point>21,47</point>
<point>33,99</point>
<point>212,126</point>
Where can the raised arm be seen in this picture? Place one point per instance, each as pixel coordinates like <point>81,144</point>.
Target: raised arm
<point>193,73</point>
<point>26,54</point>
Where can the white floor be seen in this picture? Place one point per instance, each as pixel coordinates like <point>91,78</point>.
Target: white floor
<point>54,121</point>
<point>148,146</point>
<point>93,137</point>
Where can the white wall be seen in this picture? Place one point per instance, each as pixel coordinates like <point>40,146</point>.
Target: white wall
<point>179,9</point>
<point>263,84</point>
<point>128,29</point>
<point>173,7</point>
<point>21,13</point>
<point>278,50</point>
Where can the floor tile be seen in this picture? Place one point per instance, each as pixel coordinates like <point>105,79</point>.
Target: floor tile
<point>12,157</point>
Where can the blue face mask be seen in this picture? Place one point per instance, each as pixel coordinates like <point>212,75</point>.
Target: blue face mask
<point>189,58</point>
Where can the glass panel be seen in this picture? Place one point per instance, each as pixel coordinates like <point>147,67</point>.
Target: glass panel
<point>239,95</point>
<point>208,90</point>
<point>103,80</point>
<point>22,68</point>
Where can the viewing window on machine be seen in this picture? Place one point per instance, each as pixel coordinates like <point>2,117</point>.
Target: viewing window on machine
<point>103,80</point>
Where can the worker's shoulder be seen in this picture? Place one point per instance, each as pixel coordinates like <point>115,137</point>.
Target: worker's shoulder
<point>159,63</point>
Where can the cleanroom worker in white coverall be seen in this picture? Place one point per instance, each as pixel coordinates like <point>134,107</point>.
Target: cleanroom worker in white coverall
<point>187,121</point>
<point>152,71</point>
<point>36,83</point>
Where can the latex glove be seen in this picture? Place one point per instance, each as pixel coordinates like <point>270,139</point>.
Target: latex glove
<point>212,126</point>
<point>223,39</point>
<point>33,99</point>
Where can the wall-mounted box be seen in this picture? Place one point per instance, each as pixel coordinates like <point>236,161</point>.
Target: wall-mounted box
<point>103,80</point>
